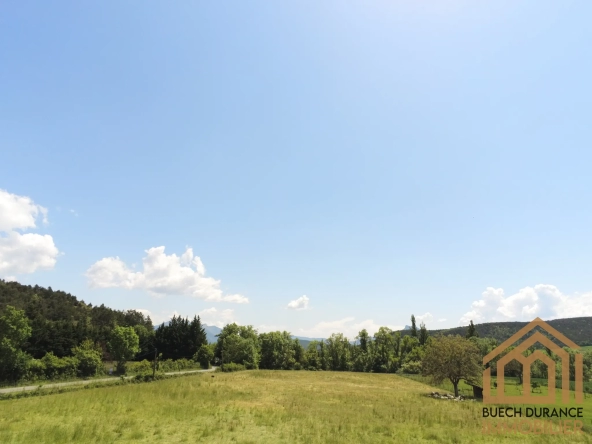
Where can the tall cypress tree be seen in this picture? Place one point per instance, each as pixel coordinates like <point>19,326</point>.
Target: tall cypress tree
<point>413,327</point>
<point>423,334</point>
<point>472,331</point>
<point>197,336</point>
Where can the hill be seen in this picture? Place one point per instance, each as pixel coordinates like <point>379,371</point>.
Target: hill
<point>60,321</point>
<point>578,330</point>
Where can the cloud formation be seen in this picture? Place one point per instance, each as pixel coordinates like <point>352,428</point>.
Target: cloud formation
<point>219,318</point>
<point>19,212</point>
<point>23,253</point>
<point>425,318</point>
<point>346,326</point>
<point>299,304</point>
<point>542,300</point>
<point>162,275</point>
<point>209,316</point>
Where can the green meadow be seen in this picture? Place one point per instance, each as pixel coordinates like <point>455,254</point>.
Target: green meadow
<point>256,407</point>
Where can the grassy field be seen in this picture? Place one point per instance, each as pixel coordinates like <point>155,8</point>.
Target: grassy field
<point>254,407</point>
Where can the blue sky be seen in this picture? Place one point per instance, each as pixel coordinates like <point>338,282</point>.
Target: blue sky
<point>381,158</point>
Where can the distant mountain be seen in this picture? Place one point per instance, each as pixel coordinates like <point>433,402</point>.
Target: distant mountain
<point>211,332</point>
<point>407,327</point>
<point>578,330</point>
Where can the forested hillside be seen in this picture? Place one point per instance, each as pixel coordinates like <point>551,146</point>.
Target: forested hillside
<point>578,330</point>
<point>59,321</point>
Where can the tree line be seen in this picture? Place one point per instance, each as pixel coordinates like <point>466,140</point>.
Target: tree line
<point>49,335</point>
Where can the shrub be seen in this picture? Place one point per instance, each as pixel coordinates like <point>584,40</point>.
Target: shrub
<point>89,359</point>
<point>232,367</point>
<point>56,368</point>
<point>35,370</point>
<point>147,377</point>
<point>169,365</point>
<point>204,356</point>
<point>411,367</point>
<point>13,363</point>
<point>140,367</point>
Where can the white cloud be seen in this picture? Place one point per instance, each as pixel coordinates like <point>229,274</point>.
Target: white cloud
<point>442,320</point>
<point>74,212</point>
<point>264,328</point>
<point>19,212</point>
<point>209,316</point>
<point>346,326</point>
<point>158,318</point>
<point>162,275</point>
<point>219,318</point>
<point>299,304</point>
<point>23,253</point>
<point>26,253</point>
<point>542,300</point>
<point>144,312</point>
<point>425,318</point>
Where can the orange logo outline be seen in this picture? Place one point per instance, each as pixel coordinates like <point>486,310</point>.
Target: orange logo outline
<point>527,361</point>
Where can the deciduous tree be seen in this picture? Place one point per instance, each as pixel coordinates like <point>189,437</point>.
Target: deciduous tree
<point>123,345</point>
<point>453,358</point>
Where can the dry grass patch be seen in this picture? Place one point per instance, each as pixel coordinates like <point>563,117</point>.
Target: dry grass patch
<point>251,407</point>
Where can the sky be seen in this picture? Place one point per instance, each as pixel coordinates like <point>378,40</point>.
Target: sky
<point>310,166</point>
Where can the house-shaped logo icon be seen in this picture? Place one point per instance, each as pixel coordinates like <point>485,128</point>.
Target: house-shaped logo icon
<point>527,361</point>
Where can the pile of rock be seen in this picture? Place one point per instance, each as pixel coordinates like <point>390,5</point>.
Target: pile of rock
<point>448,396</point>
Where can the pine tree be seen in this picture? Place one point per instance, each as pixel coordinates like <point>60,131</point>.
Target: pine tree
<point>197,336</point>
<point>472,331</point>
<point>413,327</point>
<point>423,334</point>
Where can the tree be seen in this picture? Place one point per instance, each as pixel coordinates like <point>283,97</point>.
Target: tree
<point>363,338</point>
<point>472,331</point>
<point>14,326</point>
<point>204,355</point>
<point>338,352</point>
<point>14,331</point>
<point>89,359</point>
<point>278,351</point>
<point>413,327</point>
<point>382,351</point>
<point>453,358</point>
<point>124,345</point>
<point>312,357</point>
<point>238,344</point>
<point>146,337</point>
<point>423,334</point>
<point>197,336</point>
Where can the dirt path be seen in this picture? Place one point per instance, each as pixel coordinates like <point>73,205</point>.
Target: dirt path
<point>84,382</point>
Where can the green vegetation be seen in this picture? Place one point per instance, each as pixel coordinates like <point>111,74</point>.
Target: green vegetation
<point>578,330</point>
<point>452,358</point>
<point>50,335</point>
<point>123,345</point>
<point>254,407</point>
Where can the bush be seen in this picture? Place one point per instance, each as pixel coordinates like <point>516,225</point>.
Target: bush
<point>412,367</point>
<point>204,356</point>
<point>147,377</point>
<point>169,365</point>
<point>89,359</point>
<point>13,363</point>
<point>35,370</point>
<point>140,367</point>
<point>59,368</point>
<point>232,367</point>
